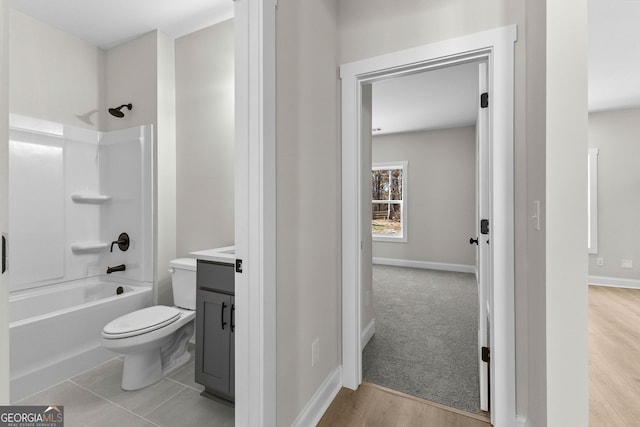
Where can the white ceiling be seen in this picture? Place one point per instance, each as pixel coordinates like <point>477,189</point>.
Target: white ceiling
<point>614,56</point>
<point>443,98</point>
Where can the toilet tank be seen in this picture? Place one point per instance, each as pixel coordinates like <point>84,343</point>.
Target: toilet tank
<point>183,282</point>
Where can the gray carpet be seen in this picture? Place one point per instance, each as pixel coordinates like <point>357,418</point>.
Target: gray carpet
<point>425,343</point>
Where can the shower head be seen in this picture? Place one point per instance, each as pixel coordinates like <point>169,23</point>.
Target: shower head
<point>116,112</point>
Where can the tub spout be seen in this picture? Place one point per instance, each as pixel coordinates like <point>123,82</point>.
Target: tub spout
<point>120,267</point>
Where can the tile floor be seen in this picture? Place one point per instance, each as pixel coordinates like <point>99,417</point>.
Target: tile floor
<point>94,398</point>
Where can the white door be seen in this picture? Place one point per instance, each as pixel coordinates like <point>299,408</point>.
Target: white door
<point>483,217</point>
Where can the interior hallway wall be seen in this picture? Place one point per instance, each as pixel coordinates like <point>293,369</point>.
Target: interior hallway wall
<point>566,214</point>
<point>615,135</point>
<point>308,201</point>
<point>531,307</point>
<point>205,138</point>
<point>441,182</point>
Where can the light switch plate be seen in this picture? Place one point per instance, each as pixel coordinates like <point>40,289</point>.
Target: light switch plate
<point>535,216</point>
<point>315,352</point>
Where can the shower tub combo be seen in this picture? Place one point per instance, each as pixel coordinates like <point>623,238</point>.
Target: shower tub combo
<point>73,191</point>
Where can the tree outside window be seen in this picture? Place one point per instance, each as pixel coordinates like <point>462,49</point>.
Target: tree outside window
<point>388,191</point>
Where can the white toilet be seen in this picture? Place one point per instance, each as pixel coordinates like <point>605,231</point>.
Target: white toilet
<point>154,339</point>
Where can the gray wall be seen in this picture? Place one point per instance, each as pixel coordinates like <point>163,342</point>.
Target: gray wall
<point>565,220</point>
<point>441,195</point>
<point>616,135</point>
<point>55,76</point>
<point>308,201</point>
<point>205,134</point>
<point>531,244</point>
<point>130,74</point>
<point>165,162</point>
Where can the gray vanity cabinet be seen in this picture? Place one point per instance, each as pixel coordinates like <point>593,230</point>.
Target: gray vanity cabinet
<point>215,323</point>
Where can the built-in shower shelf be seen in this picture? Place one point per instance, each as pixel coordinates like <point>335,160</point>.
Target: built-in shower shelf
<point>89,246</point>
<point>90,198</point>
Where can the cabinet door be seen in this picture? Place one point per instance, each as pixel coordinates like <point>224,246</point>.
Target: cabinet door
<point>232,352</point>
<point>212,345</point>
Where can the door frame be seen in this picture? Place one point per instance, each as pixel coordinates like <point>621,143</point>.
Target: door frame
<point>255,212</point>
<point>483,250</point>
<point>497,48</point>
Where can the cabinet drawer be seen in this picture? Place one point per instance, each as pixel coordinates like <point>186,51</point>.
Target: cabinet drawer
<point>216,276</point>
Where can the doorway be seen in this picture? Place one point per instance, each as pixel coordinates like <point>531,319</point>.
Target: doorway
<point>496,48</point>
<point>422,298</point>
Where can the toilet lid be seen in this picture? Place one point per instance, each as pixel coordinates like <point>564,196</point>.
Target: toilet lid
<point>141,321</point>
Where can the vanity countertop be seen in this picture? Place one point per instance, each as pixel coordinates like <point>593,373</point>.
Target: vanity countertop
<point>226,254</point>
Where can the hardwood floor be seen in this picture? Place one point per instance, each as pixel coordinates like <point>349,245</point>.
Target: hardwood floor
<point>375,406</point>
<point>614,357</point>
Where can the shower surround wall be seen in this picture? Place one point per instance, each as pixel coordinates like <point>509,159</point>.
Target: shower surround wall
<point>72,191</point>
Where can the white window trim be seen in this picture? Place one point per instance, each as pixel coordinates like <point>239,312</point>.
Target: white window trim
<point>592,197</point>
<point>395,165</point>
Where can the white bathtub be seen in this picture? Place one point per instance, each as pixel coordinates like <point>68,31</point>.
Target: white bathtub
<point>55,330</point>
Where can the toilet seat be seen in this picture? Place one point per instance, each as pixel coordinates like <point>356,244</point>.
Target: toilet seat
<point>141,322</point>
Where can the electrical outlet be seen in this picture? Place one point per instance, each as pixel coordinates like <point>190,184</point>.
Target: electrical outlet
<point>315,352</point>
<point>600,261</point>
<point>626,263</point>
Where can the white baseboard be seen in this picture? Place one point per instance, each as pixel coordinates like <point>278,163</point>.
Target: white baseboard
<point>461,268</point>
<point>522,421</point>
<point>318,404</point>
<point>614,282</point>
<point>367,333</point>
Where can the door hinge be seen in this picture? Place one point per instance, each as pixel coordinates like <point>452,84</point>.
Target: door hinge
<point>484,100</point>
<point>238,266</point>
<point>484,226</point>
<point>486,354</point>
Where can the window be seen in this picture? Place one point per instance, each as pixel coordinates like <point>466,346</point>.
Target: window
<point>388,201</point>
<point>592,198</point>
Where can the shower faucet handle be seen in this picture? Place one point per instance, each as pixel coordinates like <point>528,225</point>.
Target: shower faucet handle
<point>122,242</point>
